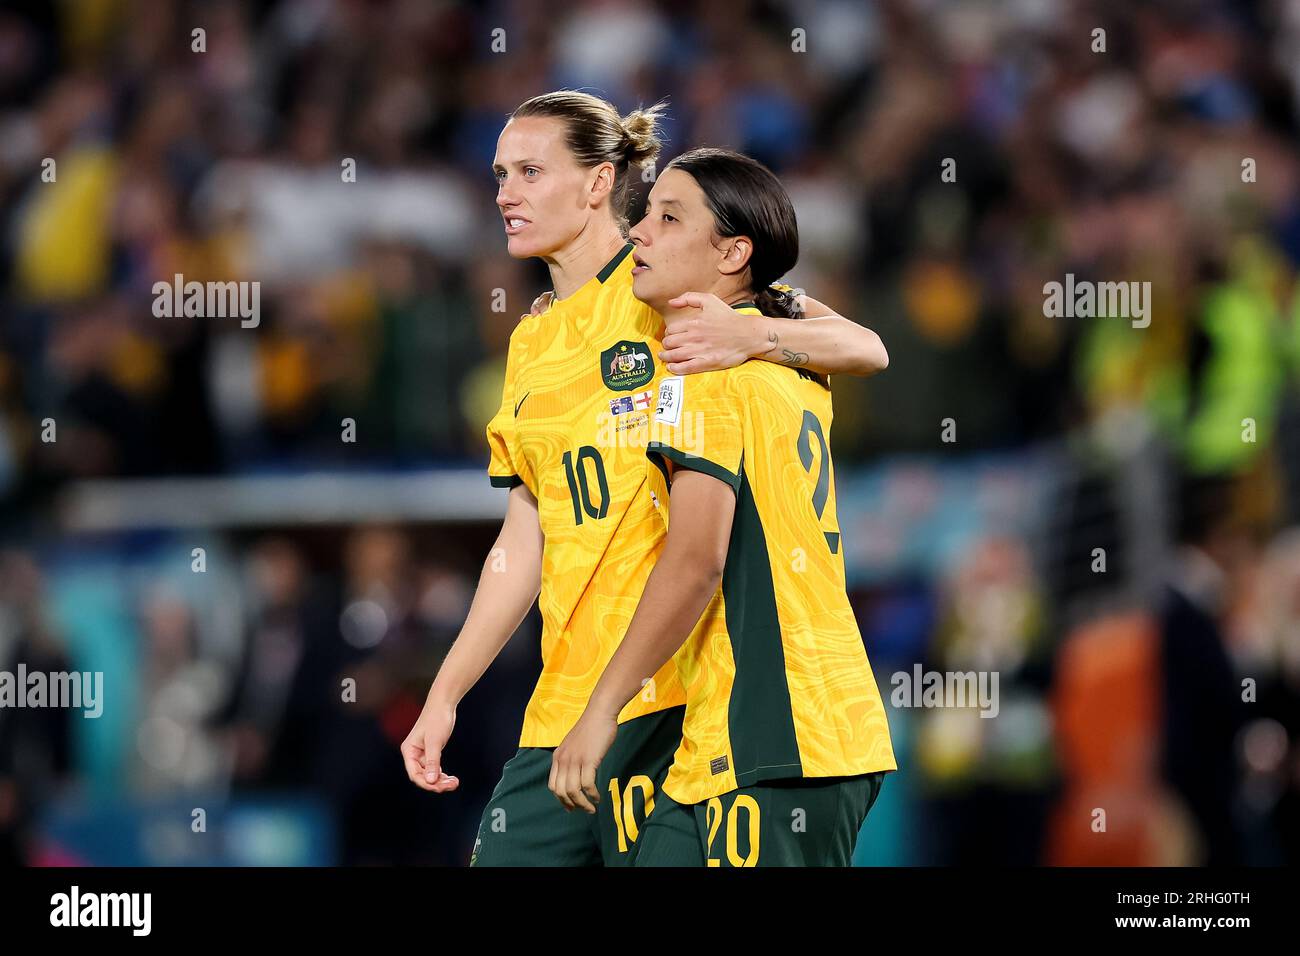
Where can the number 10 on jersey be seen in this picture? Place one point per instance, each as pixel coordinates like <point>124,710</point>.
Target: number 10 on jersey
<point>575,470</point>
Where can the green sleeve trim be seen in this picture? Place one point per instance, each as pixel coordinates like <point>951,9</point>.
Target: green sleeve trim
<point>658,460</point>
<point>505,481</point>
<point>655,450</point>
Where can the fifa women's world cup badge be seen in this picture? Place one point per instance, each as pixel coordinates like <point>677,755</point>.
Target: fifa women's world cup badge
<point>626,365</point>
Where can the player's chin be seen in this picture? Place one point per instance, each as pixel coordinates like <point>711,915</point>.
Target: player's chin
<point>645,288</point>
<point>525,247</point>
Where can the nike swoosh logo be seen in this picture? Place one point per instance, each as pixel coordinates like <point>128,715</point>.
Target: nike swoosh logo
<point>521,401</point>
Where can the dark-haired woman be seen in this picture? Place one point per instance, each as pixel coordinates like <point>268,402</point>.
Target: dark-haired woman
<point>785,740</point>
<point>580,535</point>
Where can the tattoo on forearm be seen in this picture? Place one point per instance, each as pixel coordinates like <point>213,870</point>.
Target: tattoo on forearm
<point>794,358</point>
<point>787,357</point>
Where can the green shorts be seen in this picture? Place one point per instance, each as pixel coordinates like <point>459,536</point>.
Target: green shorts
<point>525,825</point>
<point>808,821</point>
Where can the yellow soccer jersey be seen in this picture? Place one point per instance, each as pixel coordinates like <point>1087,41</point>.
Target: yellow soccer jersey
<point>573,426</point>
<point>777,679</point>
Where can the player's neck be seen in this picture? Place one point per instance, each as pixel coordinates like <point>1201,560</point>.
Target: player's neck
<point>726,292</point>
<point>582,259</point>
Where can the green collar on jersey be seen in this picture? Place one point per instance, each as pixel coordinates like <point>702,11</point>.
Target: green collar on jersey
<point>610,266</point>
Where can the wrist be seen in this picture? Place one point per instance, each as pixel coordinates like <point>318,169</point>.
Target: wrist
<point>440,698</point>
<point>604,707</point>
<point>764,337</point>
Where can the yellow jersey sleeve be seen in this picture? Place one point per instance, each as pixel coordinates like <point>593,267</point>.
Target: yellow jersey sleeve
<point>698,425</point>
<point>505,464</point>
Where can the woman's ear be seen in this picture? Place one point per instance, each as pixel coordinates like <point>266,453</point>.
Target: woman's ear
<point>602,183</point>
<point>736,258</point>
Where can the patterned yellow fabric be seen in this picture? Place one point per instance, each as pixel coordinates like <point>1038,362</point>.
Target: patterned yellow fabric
<point>573,427</point>
<point>777,679</point>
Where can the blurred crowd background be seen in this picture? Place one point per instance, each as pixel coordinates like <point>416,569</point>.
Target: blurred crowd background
<point>1112,526</point>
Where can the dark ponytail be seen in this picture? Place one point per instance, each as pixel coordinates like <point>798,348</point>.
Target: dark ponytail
<point>778,300</point>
